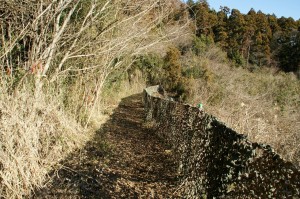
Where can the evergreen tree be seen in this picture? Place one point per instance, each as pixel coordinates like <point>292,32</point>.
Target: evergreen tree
<point>273,24</point>
<point>220,29</point>
<point>236,34</point>
<point>205,19</point>
<point>248,42</point>
<point>172,69</point>
<point>263,34</point>
<point>254,38</point>
<point>289,52</point>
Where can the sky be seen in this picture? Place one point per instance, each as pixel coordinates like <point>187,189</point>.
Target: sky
<point>286,8</point>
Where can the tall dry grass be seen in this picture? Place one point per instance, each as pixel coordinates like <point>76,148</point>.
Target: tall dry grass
<point>126,86</point>
<point>263,104</point>
<point>35,133</point>
<point>56,58</point>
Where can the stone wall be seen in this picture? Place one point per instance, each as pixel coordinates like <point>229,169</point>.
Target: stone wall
<point>214,160</point>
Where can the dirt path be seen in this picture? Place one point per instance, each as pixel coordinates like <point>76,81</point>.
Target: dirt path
<point>123,160</point>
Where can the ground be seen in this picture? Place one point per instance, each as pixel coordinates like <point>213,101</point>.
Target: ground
<point>125,159</point>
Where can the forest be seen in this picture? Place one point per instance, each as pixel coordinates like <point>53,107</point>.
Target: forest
<point>254,38</point>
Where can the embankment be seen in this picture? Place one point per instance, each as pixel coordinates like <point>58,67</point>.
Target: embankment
<point>214,160</point>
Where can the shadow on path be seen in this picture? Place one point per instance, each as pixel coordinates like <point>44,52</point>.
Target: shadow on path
<point>123,160</point>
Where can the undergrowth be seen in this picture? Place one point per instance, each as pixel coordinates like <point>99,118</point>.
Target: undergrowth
<point>36,132</point>
<point>40,129</point>
<point>262,104</point>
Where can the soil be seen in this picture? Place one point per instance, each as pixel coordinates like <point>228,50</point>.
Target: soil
<point>125,159</point>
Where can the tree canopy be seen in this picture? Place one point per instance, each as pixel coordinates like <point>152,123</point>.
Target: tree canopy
<point>253,38</point>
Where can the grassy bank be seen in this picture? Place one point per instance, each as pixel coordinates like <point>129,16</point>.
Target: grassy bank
<point>262,104</point>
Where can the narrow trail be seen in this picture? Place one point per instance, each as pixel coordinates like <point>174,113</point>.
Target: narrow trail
<point>123,160</point>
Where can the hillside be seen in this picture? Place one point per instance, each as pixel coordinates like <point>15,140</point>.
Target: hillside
<point>262,104</point>
<point>66,65</point>
<point>255,38</point>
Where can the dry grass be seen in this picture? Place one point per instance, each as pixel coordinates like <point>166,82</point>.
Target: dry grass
<point>262,104</point>
<point>35,133</point>
<point>40,127</point>
<point>113,93</point>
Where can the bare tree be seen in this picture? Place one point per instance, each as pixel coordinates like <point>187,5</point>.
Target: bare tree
<point>55,57</point>
<point>60,30</point>
<point>96,37</point>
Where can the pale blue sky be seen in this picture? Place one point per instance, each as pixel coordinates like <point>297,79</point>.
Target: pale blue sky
<point>286,8</point>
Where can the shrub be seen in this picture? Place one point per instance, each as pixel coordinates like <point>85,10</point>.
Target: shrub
<point>201,44</point>
<point>151,66</point>
<point>172,70</point>
<point>237,58</point>
<point>199,70</point>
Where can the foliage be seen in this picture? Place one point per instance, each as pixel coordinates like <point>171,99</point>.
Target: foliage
<point>262,104</point>
<point>172,69</point>
<point>151,66</point>
<point>199,70</point>
<point>166,71</point>
<point>250,38</point>
<point>237,58</point>
<point>288,52</point>
<point>201,44</point>
<point>57,59</point>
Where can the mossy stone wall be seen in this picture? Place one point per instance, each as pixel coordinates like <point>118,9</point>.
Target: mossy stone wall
<point>214,160</point>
